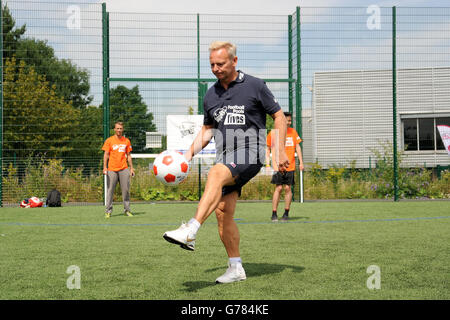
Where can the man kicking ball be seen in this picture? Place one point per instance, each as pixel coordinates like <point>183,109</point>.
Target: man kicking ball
<point>235,109</point>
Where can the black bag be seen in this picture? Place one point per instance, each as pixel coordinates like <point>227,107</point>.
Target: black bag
<point>54,198</point>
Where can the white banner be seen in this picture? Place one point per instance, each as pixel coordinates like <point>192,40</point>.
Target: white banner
<point>445,135</point>
<point>182,130</point>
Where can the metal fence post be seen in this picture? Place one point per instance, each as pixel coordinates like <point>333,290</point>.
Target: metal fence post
<point>298,95</point>
<point>290,75</point>
<point>200,94</point>
<point>105,54</point>
<point>1,104</point>
<point>394,100</point>
<point>290,62</point>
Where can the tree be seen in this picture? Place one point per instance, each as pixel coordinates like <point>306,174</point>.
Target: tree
<point>71,82</point>
<point>11,35</point>
<point>35,119</point>
<point>85,146</point>
<point>127,105</point>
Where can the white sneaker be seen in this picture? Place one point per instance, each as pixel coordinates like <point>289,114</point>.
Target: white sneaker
<point>235,272</point>
<point>183,236</point>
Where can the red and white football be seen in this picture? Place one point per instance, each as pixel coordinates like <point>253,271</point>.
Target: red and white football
<point>170,167</point>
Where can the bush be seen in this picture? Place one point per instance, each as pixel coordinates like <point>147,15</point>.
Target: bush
<point>79,185</point>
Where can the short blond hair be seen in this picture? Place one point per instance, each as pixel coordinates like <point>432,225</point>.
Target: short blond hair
<point>231,48</point>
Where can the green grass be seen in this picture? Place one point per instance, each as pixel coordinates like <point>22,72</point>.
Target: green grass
<point>306,258</point>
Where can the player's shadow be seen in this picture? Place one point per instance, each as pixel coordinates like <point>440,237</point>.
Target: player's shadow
<point>298,218</point>
<point>121,214</point>
<point>138,213</point>
<point>251,269</point>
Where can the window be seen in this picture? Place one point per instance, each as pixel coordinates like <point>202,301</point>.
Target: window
<point>421,134</point>
<point>441,121</point>
<point>410,134</point>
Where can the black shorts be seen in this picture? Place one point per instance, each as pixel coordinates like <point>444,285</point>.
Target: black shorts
<point>244,173</point>
<point>287,178</point>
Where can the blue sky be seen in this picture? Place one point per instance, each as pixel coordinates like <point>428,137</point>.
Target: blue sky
<point>254,6</point>
<point>330,41</point>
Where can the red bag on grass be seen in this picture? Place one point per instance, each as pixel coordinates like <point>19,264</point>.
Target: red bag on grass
<point>33,202</point>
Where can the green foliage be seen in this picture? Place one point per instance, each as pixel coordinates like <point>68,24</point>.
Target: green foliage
<point>70,82</point>
<point>334,174</point>
<point>350,183</point>
<point>316,173</point>
<point>127,105</point>
<point>77,185</point>
<point>42,175</point>
<point>11,34</point>
<point>46,102</point>
<point>87,140</point>
<point>269,123</point>
<point>29,99</point>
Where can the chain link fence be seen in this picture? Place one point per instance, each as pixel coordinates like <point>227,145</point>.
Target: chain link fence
<point>367,88</point>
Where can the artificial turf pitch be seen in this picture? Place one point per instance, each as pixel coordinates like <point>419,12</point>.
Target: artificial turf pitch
<point>323,252</point>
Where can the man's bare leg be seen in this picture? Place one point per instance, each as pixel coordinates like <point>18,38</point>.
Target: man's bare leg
<point>228,230</point>
<point>229,234</point>
<point>218,177</point>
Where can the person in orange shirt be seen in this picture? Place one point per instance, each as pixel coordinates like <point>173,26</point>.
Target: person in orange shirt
<point>117,153</point>
<point>284,180</point>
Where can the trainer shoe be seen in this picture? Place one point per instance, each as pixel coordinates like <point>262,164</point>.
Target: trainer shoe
<point>182,236</point>
<point>284,218</point>
<point>128,213</point>
<point>235,272</point>
<point>274,217</point>
<point>107,215</point>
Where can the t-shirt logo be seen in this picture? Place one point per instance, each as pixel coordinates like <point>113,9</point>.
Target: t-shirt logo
<point>219,114</point>
<point>236,119</point>
<point>119,147</point>
<point>289,142</point>
<point>235,115</point>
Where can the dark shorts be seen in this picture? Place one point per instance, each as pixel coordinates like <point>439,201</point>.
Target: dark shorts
<point>286,178</point>
<point>244,173</point>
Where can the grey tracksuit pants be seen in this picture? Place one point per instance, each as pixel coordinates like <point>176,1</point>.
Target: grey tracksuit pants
<point>123,177</point>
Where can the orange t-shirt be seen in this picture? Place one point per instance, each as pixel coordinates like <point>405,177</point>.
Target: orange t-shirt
<point>292,139</point>
<point>118,149</point>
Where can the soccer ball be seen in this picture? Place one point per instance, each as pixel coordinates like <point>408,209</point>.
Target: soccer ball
<point>170,167</point>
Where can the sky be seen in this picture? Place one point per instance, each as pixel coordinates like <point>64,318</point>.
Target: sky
<point>276,7</point>
<point>146,45</point>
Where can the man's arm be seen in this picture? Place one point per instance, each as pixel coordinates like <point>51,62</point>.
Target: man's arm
<point>299,155</point>
<point>201,140</point>
<point>279,142</point>
<point>105,162</point>
<point>130,164</point>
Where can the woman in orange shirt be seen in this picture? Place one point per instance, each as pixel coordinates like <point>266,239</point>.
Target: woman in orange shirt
<point>117,153</point>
